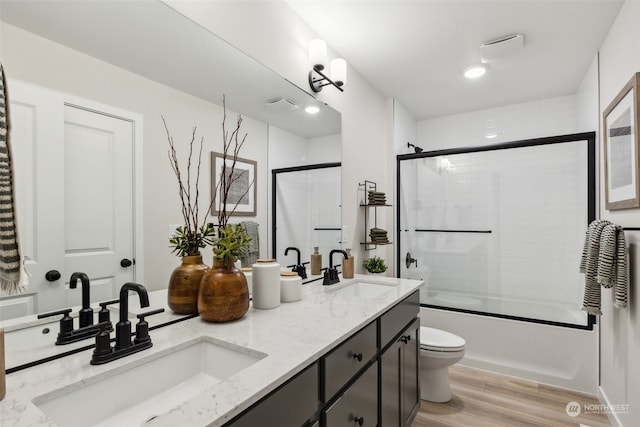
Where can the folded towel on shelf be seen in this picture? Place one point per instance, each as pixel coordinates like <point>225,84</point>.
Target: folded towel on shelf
<point>377,198</point>
<point>604,263</point>
<point>378,236</point>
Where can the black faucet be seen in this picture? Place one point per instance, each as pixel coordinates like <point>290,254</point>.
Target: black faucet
<point>124,346</point>
<point>86,313</point>
<point>331,275</point>
<point>298,268</point>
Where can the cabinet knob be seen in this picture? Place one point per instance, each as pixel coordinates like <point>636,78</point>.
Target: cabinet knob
<point>358,420</point>
<point>359,357</point>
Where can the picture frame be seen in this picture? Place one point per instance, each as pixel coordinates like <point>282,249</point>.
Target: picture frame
<point>621,150</point>
<point>242,191</point>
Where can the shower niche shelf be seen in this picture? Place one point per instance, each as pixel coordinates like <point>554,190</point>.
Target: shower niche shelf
<point>368,205</point>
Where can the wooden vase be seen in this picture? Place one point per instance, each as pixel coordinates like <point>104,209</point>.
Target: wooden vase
<point>224,294</point>
<point>184,285</point>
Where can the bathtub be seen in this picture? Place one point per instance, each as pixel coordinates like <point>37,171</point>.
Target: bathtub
<point>559,356</point>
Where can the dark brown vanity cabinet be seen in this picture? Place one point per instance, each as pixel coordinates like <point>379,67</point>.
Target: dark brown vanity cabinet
<point>370,379</point>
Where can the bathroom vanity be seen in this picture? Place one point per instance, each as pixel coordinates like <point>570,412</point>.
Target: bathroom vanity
<point>325,360</point>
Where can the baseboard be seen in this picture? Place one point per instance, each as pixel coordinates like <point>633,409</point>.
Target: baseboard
<point>611,415</point>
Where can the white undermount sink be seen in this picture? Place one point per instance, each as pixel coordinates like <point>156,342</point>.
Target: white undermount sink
<point>134,395</point>
<point>362,289</point>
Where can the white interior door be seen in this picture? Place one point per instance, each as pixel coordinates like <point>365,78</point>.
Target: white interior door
<point>98,201</point>
<point>37,120</point>
<point>74,174</point>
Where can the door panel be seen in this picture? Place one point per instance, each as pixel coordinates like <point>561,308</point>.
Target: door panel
<point>74,182</point>
<point>98,200</point>
<point>37,119</point>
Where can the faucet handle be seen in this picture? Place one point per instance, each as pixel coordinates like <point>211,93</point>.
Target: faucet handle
<point>142,327</point>
<point>103,341</point>
<point>66,323</point>
<point>104,315</point>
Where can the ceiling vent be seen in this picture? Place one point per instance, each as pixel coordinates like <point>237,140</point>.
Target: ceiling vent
<point>281,105</point>
<point>501,48</point>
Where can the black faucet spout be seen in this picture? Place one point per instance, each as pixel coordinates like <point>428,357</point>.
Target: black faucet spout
<point>344,254</point>
<point>84,279</point>
<point>86,313</point>
<point>124,298</point>
<point>286,251</point>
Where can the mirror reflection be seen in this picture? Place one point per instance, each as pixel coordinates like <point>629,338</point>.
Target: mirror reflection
<point>79,80</point>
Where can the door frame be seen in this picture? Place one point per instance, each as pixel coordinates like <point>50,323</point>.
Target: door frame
<point>136,121</point>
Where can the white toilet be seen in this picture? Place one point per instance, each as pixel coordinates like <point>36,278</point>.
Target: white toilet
<point>438,350</point>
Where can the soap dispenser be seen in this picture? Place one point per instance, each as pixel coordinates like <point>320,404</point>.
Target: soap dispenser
<point>316,261</point>
<point>347,265</point>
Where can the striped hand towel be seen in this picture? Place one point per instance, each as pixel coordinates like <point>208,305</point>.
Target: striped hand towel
<point>12,276</point>
<point>604,263</point>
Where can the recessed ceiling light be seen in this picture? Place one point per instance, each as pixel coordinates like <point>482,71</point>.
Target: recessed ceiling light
<point>475,71</point>
<point>312,109</point>
<point>491,135</point>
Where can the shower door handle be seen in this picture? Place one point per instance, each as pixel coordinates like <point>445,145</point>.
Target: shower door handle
<point>408,260</point>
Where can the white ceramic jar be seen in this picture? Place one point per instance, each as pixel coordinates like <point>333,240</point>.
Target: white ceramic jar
<point>248,274</point>
<point>266,284</point>
<point>290,287</point>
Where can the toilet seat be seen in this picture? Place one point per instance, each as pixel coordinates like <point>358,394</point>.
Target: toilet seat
<point>438,340</point>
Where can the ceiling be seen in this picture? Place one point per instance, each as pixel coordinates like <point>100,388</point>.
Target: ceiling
<point>415,51</point>
<point>88,26</point>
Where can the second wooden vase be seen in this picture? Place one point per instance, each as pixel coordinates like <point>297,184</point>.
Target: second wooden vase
<point>224,294</point>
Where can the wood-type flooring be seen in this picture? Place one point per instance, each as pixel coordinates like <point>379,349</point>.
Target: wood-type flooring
<point>486,399</point>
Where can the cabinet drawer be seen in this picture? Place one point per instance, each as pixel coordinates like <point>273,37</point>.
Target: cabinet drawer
<point>277,408</point>
<point>358,406</point>
<point>347,359</point>
<point>394,320</point>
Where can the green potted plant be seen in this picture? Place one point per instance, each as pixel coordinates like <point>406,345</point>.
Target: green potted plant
<point>374,265</point>
<point>193,235</point>
<point>224,294</point>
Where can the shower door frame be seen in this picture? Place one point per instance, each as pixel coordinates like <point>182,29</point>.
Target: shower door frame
<point>274,197</point>
<point>589,137</point>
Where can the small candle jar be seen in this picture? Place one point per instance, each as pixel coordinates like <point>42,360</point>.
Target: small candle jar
<point>266,284</point>
<point>290,287</point>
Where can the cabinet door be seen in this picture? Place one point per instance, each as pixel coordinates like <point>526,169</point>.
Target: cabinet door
<point>358,406</point>
<point>390,383</point>
<point>348,359</point>
<point>292,405</point>
<point>410,372</point>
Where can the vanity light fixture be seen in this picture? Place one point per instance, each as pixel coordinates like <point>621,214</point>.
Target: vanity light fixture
<point>318,58</point>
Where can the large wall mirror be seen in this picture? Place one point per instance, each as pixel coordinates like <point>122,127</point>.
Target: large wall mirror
<point>179,71</point>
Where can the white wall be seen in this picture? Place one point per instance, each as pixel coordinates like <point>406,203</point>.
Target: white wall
<point>620,328</point>
<point>526,351</point>
<point>273,34</point>
<point>36,60</point>
<point>545,117</point>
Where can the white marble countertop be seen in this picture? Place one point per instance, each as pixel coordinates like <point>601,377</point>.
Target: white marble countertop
<point>292,336</point>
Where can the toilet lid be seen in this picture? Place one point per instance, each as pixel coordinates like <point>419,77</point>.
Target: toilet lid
<point>436,339</point>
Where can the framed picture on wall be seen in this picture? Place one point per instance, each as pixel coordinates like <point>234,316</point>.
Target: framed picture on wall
<point>241,199</point>
<point>621,152</point>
